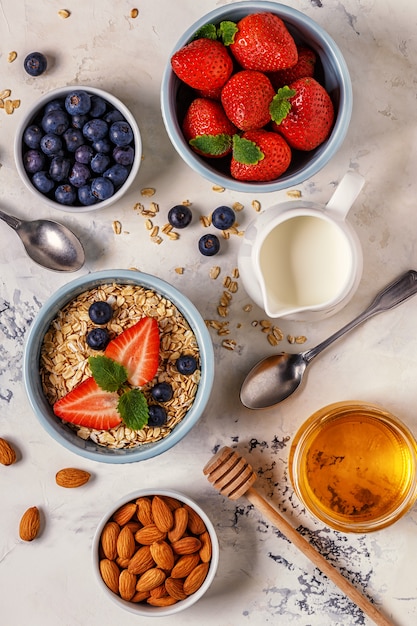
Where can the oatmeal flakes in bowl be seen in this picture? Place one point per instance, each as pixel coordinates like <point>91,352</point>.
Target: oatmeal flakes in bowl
<point>104,366</point>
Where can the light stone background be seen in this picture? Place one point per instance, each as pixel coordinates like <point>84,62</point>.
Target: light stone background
<point>262,578</point>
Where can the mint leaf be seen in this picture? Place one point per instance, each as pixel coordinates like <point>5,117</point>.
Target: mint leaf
<point>227,31</point>
<point>212,144</point>
<point>108,374</point>
<point>281,105</point>
<point>133,409</point>
<point>246,151</point>
<point>208,31</point>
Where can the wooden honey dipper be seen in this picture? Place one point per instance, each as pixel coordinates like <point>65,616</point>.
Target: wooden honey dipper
<point>232,475</point>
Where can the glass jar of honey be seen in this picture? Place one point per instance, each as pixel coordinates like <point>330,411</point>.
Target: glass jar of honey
<point>354,466</point>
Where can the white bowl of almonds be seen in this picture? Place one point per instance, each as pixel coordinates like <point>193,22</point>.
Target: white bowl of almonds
<point>155,553</point>
<point>118,366</point>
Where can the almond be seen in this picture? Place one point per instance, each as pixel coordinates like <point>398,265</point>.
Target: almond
<point>173,503</point>
<point>123,515</point>
<point>7,453</point>
<point>127,585</point>
<point>196,578</point>
<point>180,524</point>
<point>162,514</point>
<point>122,563</point>
<point>165,601</point>
<point>175,588</point>
<point>144,511</point>
<point>195,523</point>
<point>163,555</point>
<point>186,545</point>
<point>159,592</point>
<point>30,524</point>
<point>205,550</point>
<point>141,561</point>
<point>134,526</point>
<point>71,477</point>
<point>185,565</point>
<point>150,579</point>
<point>125,543</point>
<point>109,540</point>
<point>149,534</point>
<point>110,574</point>
<point>140,596</point>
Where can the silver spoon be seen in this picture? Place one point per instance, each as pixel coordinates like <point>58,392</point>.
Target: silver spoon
<point>276,377</point>
<point>48,243</point>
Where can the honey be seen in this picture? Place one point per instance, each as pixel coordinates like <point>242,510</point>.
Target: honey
<point>354,466</point>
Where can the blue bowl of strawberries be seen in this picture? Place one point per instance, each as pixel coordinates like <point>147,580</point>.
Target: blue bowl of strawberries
<point>256,96</point>
<point>118,366</point>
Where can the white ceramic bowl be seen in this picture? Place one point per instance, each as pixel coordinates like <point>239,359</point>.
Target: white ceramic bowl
<point>63,433</point>
<point>143,609</point>
<point>31,116</point>
<point>335,78</point>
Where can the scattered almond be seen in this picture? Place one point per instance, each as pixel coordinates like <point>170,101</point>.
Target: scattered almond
<point>134,13</point>
<point>71,477</point>
<point>7,453</point>
<point>64,13</point>
<point>30,524</point>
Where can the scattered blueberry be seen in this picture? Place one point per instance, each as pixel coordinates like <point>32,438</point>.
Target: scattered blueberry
<point>95,129</point>
<point>73,138</point>
<point>33,161</point>
<point>223,217</point>
<point>186,364</point>
<point>117,174</point>
<point>78,102</point>
<point>84,154</point>
<point>56,121</point>
<point>180,216</point>
<point>162,392</point>
<point>102,188</point>
<point>59,168</point>
<point>65,194</point>
<point>100,312</point>
<point>32,136</point>
<point>51,144</point>
<point>98,338</point>
<point>209,245</point>
<point>35,63</point>
<point>79,174</point>
<point>157,415</point>
<point>43,182</point>
<point>120,133</point>
<point>100,162</point>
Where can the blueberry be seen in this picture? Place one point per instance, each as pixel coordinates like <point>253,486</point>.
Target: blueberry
<point>95,129</point>
<point>78,120</point>
<point>98,106</point>
<point>53,105</point>
<point>102,188</point>
<point>78,102</point>
<point>43,182</point>
<point>120,133</point>
<point>51,144</point>
<point>98,338</point>
<point>59,168</point>
<point>79,174</point>
<point>55,121</point>
<point>157,415</point>
<point>84,154</point>
<point>85,196</point>
<point>32,136</point>
<point>162,392</point>
<point>102,145</point>
<point>223,217</point>
<point>209,245</point>
<point>65,194</point>
<point>113,116</point>
<point>73,138</point>
<point>100,312</point>
<point>124,155</point>
<point>180,216</point>
<point>35,63</point>
<point>100,162</point>
<point>33,161</point>
<point>117,174</point>
<point>186,364</point>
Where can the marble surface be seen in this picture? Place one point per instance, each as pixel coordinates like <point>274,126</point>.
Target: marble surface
<point>262,578</point>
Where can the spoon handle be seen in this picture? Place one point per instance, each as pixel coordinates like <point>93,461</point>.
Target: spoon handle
<point>12,221</point>
<point>316,557</point>
<point>395,293</point>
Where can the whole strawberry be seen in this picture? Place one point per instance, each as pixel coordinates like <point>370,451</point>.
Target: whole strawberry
<point>303,114</point>
<point>304,67</point>
<point>259,155</point>
<point>207,128</point>
<point>264,43</point>
<point>246,98</point>
<point>202,64</point>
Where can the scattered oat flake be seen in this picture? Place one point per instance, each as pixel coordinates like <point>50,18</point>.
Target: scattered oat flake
<point>6,93</point>
<point>214,272</point>
<point>134,13</point>
<point>64,13</point>
<point>300,339</point>
<point>154,207</point>
<point>237,206</point>
<point>148,224</point>
<point>1,104</point>
<point>186,203</point>
<point>247,308</point>
<point>157,239</point>
<point>179,270</point>
<point>12,56</point>
<point>218,188</point>
<point>117,227</point>
<point>205,220</point>
<point>173,236</point>
<point>148,192</point>
<point>294,193</point>
<point>8,106</point>
<point>229,344</point>
<point>290,338</point>
<point>256,205</point>
<point>16,104</point>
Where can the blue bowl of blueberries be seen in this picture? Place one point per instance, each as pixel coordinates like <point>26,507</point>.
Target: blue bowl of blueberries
<point>78,149</point>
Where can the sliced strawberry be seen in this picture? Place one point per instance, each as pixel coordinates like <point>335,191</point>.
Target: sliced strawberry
<point>137,348</point>
<point>89,405</point>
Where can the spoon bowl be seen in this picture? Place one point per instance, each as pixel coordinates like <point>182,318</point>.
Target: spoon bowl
<point>48,243</point>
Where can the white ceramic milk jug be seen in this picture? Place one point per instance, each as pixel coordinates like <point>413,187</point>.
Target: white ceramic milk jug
<point>300,260</point>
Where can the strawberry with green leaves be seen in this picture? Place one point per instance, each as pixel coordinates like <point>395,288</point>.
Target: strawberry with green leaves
<point>259,155</point>
<point>304,67</point>
<point>246,98</point>
<point>203,64</point>
<point>207,128</point>
<point>303,114</point>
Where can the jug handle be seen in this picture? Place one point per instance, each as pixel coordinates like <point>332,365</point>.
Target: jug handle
<point>345,194</point>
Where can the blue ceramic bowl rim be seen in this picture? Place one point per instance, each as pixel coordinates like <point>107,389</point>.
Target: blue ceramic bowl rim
<point>53,426</point>
<point>60,92</point>
<point>323,153</point>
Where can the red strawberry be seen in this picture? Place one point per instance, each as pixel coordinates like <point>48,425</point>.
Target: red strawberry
<point>246,98</point>
<point>304,67</point>
<point>137,348</point>
<point>310,115</point>
<point>207,128</point>
<point>263,43</point>
<point>202,64</point>
<point>258,156</point>
<point>89,405</point>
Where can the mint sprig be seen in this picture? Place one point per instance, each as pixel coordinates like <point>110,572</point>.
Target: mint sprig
<point>214,145</point>
<point>133,409</point>
<point>246,151</point>
<point>281,105</point>
<point>108,374</point>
